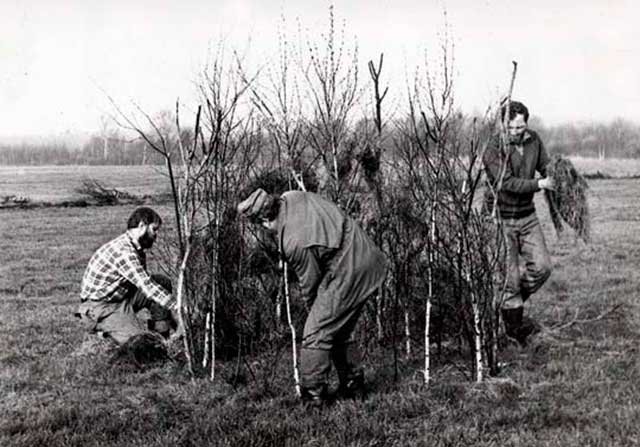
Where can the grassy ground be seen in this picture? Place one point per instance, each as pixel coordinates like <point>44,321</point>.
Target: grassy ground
<point>609,168</point>
<point>57,183</point>
<point>576,385</point>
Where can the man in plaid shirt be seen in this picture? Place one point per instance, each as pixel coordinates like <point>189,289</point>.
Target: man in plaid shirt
<point>116,285</point>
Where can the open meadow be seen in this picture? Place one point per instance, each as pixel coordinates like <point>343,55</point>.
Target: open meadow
<point>58,183</point>
<point>576,384</point>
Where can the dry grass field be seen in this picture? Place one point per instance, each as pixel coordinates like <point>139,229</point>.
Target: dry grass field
<point>614,168</point>
<point>575,385</point>
<point>57,183</point>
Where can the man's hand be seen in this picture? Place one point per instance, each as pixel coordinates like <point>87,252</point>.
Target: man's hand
<point>547,183</point>
<point>177,335</point>
<point>175,319</point>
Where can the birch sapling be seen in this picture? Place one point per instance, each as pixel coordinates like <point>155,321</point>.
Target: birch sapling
<point>296,372</point>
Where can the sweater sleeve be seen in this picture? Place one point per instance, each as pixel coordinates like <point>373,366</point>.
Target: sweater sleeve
<point>494,161</point>
<point>543,159</point>
<point>131,268</point>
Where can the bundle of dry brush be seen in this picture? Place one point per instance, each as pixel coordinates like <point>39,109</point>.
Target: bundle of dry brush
<point>104,195</point>
<point>568,202</point>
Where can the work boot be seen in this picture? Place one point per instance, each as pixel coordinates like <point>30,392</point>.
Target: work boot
<point>513,325</point>
<point>530,326</point>
<point>352,388</point>
<point>314,397</point>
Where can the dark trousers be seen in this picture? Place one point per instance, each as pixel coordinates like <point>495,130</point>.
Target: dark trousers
<point>327,339</point>
<point>525,241</point>
<point>118,320</point>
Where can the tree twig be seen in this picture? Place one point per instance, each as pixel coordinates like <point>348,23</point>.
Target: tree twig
<point>576,320</point>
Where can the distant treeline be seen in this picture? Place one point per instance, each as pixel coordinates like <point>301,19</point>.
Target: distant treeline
<point>618,139</point>
<point>96,151</point>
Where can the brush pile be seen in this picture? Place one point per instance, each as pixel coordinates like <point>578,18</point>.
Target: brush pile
<point>568,202</point>
<point>104,195</point>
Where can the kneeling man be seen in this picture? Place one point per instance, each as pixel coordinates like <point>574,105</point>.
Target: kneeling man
<point>116,285</point>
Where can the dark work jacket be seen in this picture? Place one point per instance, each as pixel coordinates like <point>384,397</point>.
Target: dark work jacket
<point>329,252</point>
<point>515,198</point>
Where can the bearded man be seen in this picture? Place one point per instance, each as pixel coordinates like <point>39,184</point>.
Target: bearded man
<point>116,285</point>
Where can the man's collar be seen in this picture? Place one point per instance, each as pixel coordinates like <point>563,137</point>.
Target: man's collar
<point>526,136</point>
<point>134,242</point>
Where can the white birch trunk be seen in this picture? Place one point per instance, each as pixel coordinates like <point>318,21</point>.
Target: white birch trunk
<point>214,290</point>
<point>207,341</point>
<point>427,311</point>
<point>279,301</point>
<point>477,328</point>
<point>477,338</point>
<point>180,300</point>
<point>427,315</point>
<point>407,332</point>
<point>477,325</point>
<point>212,338</point>
<point>296,373</point>
<point>427,356</point>
<point>380,329</point>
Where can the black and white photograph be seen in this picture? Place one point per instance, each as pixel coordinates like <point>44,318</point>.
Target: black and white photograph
<point>319,223</point>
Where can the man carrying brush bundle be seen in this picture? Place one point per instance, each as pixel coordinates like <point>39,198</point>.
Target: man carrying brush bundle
<point>116,285</point>
<point>338,268</point>
<point>511,173</point>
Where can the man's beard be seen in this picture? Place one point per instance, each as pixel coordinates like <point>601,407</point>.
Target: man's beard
<point>146,241</point>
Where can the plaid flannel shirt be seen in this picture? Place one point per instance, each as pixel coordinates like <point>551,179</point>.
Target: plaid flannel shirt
<point>116,269</point>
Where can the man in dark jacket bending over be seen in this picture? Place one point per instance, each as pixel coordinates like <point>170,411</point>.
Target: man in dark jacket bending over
<point>338,267</point>
<point>524,155</point>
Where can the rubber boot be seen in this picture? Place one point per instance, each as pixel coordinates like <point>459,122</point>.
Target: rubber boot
<point>350,376</point>
<point>513,325</point>
<point>352,387</point>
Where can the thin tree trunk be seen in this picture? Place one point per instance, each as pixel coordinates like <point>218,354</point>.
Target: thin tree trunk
<point>407,332</point>
<point>430,279</point>
<point>477,337</point>
<point>207,341</point>
<point>427,325</point>
<point>379,327</point>
<point>279,302</point>
<point>475,308</point>
<point>212,317</point>
<point>212,337</point>
<point>176,201</point>
<point>180,298</point>
<point>294,344</point>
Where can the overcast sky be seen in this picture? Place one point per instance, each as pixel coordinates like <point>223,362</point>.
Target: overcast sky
<point>578,60</point>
